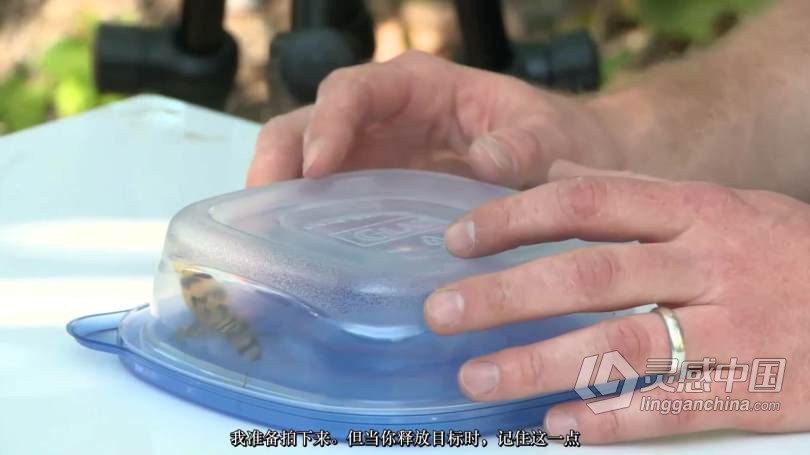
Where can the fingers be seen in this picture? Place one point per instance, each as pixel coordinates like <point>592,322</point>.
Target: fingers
<point>278,149</point>
<point>351,99</point>
<point>589,208</point>
<point>596,279</point>
<point>510,156</point>
<point>638,421</point>
<point>554,364</point>
<point>315,140</point>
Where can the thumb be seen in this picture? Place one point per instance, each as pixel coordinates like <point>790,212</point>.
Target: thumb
<point>509,156</point>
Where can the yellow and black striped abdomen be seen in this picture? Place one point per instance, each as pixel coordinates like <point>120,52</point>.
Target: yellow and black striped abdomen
<point>208,302</point>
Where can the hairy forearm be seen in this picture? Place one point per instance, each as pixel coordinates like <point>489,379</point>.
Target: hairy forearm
<point>738,113</point>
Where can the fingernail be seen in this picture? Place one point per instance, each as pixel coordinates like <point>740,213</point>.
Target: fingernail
<point>460,237</point>
<point>560,421</point>
<point>480,378</point>
<point>311,152</point>
<point>445,307</point>
<point>497,153</point>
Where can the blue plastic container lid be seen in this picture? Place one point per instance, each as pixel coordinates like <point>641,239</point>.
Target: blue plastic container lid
<point>299,306</point>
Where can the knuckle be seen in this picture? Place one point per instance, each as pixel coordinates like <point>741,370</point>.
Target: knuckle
<point>505,219</point>
<point>500,295</point>
<point>270,137</point>
<point>505,223</point>
<point>630,338</point>
<point>533,369</point>
<point>611,426</point>
<point>527,140</point>
<point>706,199</point>
<point>269,128</point>
<point>332,80</point>
<point>582,198</point>
<point>594,272</point>
<point>685,419</point>
<point>349,81</point>
<point>497,220</point>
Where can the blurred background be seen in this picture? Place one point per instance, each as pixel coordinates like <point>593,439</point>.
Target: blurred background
<point>46,63</point>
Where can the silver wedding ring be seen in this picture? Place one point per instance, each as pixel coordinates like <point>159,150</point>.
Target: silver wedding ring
<point>676,344</point>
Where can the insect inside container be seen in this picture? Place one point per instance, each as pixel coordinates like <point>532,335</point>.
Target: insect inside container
<point>208,301</point>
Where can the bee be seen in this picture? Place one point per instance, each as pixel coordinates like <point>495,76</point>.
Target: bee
<point>208,302</point>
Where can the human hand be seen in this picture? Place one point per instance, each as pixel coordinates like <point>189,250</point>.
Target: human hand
<point>423,112</point>
<point>734,265</point>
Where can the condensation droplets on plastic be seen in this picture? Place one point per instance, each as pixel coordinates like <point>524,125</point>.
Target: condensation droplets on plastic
<point>299,306</point>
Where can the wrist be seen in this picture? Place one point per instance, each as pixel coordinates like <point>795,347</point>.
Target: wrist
<point>630,124</point>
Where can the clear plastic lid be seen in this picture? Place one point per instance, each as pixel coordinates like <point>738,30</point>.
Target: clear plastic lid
<point>308,294</point>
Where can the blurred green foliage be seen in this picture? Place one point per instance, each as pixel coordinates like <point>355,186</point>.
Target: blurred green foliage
<point>22,103</point>
<point>58,83</point>
<point>695,20</point>
<point>668,28</point>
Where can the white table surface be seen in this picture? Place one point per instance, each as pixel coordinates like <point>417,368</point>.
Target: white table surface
<point>84,204</point>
